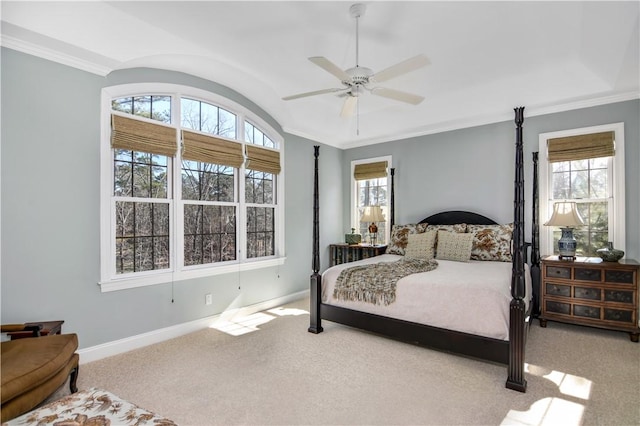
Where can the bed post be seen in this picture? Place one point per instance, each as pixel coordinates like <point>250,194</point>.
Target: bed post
<point>534,264</point>
<point>393,197</point>
<point>517,329</point>
<point>315,325</point>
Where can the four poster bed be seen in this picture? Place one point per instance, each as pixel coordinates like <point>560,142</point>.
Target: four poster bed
<point>479,308</point>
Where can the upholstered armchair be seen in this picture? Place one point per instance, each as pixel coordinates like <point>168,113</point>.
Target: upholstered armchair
<point>34,368</point>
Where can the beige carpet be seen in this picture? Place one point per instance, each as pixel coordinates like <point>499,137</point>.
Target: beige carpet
<point>272,371</point>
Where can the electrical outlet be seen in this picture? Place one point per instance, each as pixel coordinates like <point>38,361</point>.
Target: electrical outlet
<point>208,299</point>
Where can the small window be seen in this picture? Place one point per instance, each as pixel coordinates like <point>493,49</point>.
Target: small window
<point>585,166</point>
<point>370,183</point>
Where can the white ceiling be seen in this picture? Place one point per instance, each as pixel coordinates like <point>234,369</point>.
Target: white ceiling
<point>486,57</point>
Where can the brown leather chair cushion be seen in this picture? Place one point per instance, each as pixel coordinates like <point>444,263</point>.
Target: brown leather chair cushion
<point>30,363</point>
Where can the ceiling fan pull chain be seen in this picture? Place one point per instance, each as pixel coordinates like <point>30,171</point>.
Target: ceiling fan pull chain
<point>358,117</point>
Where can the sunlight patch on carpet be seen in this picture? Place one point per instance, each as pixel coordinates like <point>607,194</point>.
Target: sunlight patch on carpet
<point>281,312</point>
<point>239,325</point>
<point>568,384</point>
<point>547,411</point>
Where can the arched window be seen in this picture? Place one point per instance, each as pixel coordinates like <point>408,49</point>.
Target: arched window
<point>183,194</point>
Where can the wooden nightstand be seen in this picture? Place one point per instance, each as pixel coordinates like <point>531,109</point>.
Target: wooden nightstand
<point>601,295</point>
<point>344,253</point>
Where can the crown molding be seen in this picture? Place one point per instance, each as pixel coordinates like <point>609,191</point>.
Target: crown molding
<point>53,55</point>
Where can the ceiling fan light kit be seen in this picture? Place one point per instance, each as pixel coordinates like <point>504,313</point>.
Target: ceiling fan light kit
<point>357,79</point>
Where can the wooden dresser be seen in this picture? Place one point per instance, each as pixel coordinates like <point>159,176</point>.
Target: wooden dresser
<point>601,295</point>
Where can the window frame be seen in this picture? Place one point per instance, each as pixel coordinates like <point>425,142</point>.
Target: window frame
<point>354,219</point>
<point>616,208</point>
<point>109,280</point>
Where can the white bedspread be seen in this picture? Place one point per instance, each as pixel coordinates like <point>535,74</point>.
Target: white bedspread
<point>472,297</point>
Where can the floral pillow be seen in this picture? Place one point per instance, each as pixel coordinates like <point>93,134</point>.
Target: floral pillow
<point>421,246</point>
<point>491,242</point>
<point>454,246</point>
<point>460,227</point>
<point>400,237</point>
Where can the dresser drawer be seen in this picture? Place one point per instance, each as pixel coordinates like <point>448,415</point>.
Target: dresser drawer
<point>619,277</point>
<point>586,311</point>
<point>585,274</point>
<point>619,296</point>
<point>619,315</point>
<point>558,290</point>
<point>557,307</point>
<point>588,293</point>
<point>558,272</point>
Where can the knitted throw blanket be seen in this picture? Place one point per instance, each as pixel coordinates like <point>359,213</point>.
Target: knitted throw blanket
<point>376,283</point>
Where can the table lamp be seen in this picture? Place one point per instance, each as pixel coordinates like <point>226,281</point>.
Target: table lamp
<point>372,214</point>
<point>566,216</point>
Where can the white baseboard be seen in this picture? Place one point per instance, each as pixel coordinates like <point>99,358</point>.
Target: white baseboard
<point>116,347</point>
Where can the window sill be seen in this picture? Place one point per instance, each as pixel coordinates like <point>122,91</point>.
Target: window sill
<point>167,277</point>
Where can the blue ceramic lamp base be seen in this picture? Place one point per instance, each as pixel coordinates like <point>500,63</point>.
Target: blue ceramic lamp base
<point>567,245</point>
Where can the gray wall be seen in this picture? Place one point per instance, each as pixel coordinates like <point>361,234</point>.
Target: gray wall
<point>50,199</point>
<point>473,168</point>
<point>50,210</point>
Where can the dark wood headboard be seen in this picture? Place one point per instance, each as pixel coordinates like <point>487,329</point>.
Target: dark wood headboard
<point>458,216</point>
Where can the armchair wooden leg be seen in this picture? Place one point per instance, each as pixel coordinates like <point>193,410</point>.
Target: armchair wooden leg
<point>73,379</point>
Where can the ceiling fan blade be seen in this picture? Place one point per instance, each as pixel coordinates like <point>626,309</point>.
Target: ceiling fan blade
<point>403,67</point>
<point>315,92</point>
<point>349,106</point>
<point>397,95</point>
<point>330,67</point>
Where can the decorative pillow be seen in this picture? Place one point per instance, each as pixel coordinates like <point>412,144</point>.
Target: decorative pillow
<point>460,227</point>
<point>399,236</point>
<point>454,246</point>
<point>491,242</point>
<point>421,246</point>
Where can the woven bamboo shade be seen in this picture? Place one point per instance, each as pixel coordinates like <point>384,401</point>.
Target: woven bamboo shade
<point>210,149</point>
<point>138,135</point>
<point>581,147</point>
<point>263,160</point>
<point>370,170</point>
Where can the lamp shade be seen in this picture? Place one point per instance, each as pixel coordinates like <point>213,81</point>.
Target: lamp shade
<point>565,214</point>
<point>372,214</point>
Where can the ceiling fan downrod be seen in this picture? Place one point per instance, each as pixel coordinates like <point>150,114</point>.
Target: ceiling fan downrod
<point>356,11</point>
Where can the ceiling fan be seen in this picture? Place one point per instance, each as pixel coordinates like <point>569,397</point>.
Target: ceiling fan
<point>358,79</point>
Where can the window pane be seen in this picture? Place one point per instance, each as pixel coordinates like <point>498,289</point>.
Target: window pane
<point>123,105</point>
<point>205,181</point>
<point>259,187</point>
<point>598,183</point>
<point>190,114</point>
<point>562,166</point>
<point>209,118</point>
<point>161,108</point>
<point>580,184</point>
<point>209,234</point>
<point>142,106</point>
<point>156,107</point>
<point>260,232</point>
<point>140,174</point>
<point>248,132</point>
<point>142,236</point>
<point>561,185</point>
<point>227,124</point>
